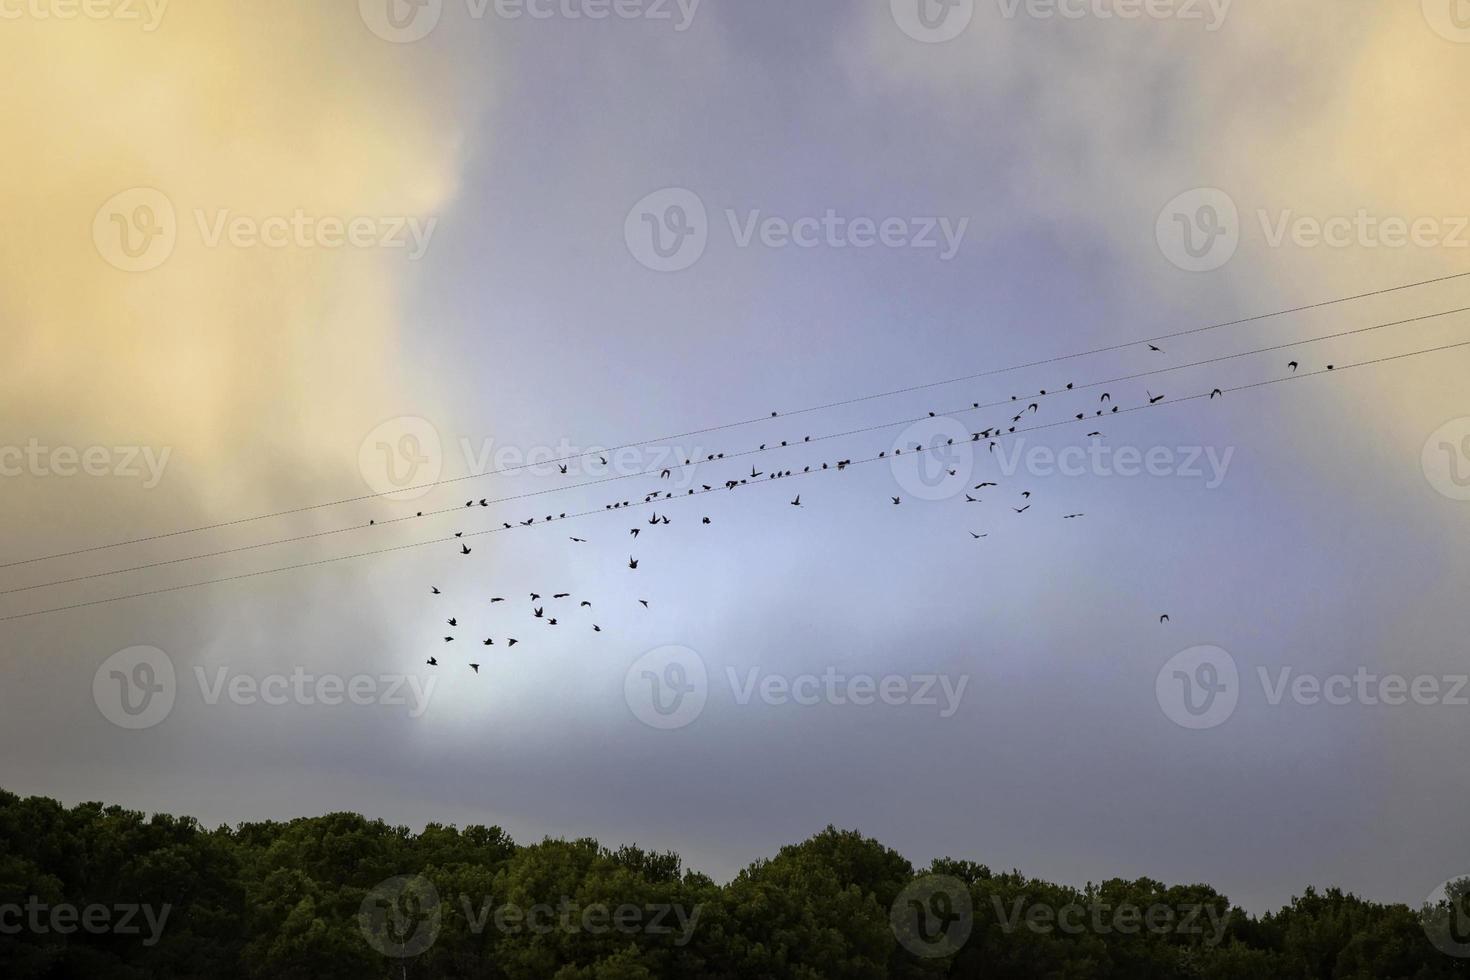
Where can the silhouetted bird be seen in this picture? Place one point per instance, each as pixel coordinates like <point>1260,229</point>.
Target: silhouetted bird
<point>432,662</point>
<point>1164,618</point>
<point>797,501</point>
<point>464,549</point>
<point>632,562</point>
<point>475,668</point>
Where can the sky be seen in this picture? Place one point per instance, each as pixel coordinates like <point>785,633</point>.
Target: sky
<point>266,257</point>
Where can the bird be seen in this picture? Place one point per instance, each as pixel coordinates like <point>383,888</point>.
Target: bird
<point>585,604</point>
<point>635,531</point>
<point>449,639</point>
<point>1153,348</point>
<point>1091,434</point>
<point>435,590</point>
<point>1021,510</point>
<point>1026,494</point>
<point>432,661</point>
<point>562,595</point>
<point>1329,367</point>
<point>563,468</point>
<point>896,501</point>
<point>1293,365</point>
<point>982,486</point>
<point>459,534</point>
<point>1217,393</point>
<point>489,643</point>
<point>1164,618</point>
<point>511,642</point>
<point>1068,517</point>
<point>705,521</point>
<point>632,562</point>
<point>664,475</point>
<point>453,622</point>
<point>797,501</point>
<point>596,628</point>
<point>1154,399</point>
<point>551,622</point>
<point>475,668</point>
<point>498,599</point>
<point>978,536</point>
<point>645,603</point>
<point>603,460</point>
<point>972,500</point>
<point>580,540</point>
<point>539,612</point>
<point>535,596</point>
<point>464,549</point>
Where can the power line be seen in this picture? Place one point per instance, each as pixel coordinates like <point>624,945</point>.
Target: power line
<point>731,425</point>
<point>474,534</point>
<point>734,455</point>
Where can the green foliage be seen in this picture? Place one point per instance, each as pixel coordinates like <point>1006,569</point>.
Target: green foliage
<point>289,901</point>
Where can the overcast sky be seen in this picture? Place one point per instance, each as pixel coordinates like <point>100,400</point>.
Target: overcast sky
<point>270,256</point>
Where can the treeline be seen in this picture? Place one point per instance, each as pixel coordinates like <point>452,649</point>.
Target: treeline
<point>101,892</point>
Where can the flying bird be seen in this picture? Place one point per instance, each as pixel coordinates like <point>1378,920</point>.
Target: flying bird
<point>475,668</point>
<point>464,549</point>
<point>1164,618</point>
<point>585,604</point>
<point>535,596</point>
<point>1021,510</point>
<point>596,628</point>
<point>1217,393</point>
<point>1293,365</point>
<point>497,599</point>
<point>580,540</point>
<point>797,501</point>
<point>489,643</point>
<point>978,536</point>
<point>562,595</point>
<point>435,590</point>
<point>1154,399</point>
<point>896,501</point>
<point>432,662</point>
<point>563,468</point>
<point>453,622</point>
<point>632,562</point>
<point>511,642</point>
<point>1153,348</point>
<point>645,603</point>
<point>539,612</point>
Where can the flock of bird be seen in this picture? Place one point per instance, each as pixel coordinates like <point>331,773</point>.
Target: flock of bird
<point>1020,504</point>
